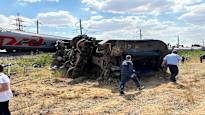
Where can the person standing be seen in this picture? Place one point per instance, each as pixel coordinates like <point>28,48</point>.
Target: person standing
<point>172,60</point>
<point>201,58</point>
<point>5,92</point>
<point>127,72</point>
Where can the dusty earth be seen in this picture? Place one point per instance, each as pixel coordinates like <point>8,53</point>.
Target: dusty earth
<point>38,91</point>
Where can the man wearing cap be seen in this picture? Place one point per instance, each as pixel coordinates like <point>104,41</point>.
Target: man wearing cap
<point>127,72</point>
<point>5,92</point>
<point>172,60</point>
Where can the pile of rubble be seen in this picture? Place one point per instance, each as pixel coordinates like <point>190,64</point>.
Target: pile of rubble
<point>74,57</point>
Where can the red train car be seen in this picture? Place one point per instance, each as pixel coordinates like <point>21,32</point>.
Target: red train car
<point>12,41</point>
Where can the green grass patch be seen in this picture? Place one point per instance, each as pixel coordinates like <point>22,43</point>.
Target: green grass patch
<point>193,54</point>
<point>42,59</point>
<point>20,64</point>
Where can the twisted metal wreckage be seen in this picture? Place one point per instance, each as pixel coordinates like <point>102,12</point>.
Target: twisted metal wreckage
<point>85,55</point>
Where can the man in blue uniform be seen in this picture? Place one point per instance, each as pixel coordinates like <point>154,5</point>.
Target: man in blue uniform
<point>127,72</point>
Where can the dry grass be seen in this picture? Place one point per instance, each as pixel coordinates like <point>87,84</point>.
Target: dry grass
<point>40,92</point>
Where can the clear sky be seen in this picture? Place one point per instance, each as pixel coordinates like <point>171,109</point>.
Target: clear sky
<point>111,19</point>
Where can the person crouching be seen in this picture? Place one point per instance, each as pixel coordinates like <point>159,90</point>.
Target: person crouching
<point>172,61</point>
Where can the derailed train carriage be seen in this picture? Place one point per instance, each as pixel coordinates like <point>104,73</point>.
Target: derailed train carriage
<point>85,55</point>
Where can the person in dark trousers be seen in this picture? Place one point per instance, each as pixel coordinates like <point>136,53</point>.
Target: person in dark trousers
<point>183,59</point>
<point>127,72</point>
<point>201,58</point>
<point>172,60</point>
<point>5,92</point>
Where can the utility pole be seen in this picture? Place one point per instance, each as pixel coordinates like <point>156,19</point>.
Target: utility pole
<point>178,41</point>
<point>203,42</point>
<point>140,34</point>
<point>19,21</point>
<point>81,29</point>
<point>37,26</point>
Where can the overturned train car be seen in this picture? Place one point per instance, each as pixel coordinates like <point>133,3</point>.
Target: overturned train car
<point>85,55</point>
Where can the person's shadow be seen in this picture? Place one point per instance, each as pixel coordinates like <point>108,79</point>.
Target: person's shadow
<point>148,81</point>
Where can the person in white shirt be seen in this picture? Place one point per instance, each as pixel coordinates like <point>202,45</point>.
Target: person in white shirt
<point>5,92</point>
<point>172,60</point>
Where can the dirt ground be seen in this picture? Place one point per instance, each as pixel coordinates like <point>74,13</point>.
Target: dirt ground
<point>39,92</point>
